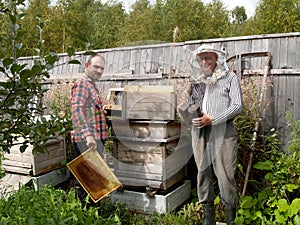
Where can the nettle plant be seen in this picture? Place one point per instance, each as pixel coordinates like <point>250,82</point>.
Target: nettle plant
<point>279,200</point>
<point>273,195</point>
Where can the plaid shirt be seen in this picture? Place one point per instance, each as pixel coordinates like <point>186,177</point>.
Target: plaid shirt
<point>87,115</point>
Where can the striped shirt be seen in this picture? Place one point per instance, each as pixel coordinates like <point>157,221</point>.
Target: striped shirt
<point>87,115</point>
<point>222,100</point>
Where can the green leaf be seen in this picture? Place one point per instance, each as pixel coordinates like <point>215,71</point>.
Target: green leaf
<point>266,165</point>
<point>90,53</point>
<point>7,62</point>
<point>239,220</point>
<point>51,58</point>
<point>295,206</point>
<point>247,202</point>
<point>36,69</point>
<point>296,203</point>
<point>297,220</point>
<point>258,214</point>
<point>25,74</point>
<point>282,205</point>
<point>23,148</point>
<point>279,218</point>
<point>74,62</point>
<point>70,51</point>
<point>291,187</point>
<point>12,18</point>
<point>217,200</point>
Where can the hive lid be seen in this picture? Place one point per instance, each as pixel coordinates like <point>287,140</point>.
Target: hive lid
<point>93,174</point>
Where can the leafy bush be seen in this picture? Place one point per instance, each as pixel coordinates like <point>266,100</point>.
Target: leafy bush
<point>21,89</point>
<point>51,205</point>
<point>279,201</point>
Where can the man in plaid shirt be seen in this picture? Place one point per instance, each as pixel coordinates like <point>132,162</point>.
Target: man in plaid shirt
<point>89,125</point>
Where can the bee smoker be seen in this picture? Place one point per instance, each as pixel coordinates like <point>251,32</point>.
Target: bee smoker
<point>195,111</point>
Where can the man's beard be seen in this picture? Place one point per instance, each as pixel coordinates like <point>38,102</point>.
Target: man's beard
<point>95,76</point>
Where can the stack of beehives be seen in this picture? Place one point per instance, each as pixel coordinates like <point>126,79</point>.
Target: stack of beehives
<point>147,149</point>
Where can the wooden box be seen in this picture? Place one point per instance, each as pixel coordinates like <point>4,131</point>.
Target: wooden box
<point>36,164</point>
<point>145,129</point>
<point>152,164</point>
<point>149,103</point>
<point>12,182</point>
<point>159,203</point>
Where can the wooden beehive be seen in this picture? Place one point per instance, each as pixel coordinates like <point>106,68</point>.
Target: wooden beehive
<point>150,129</point>
<point>149,103</point>
<point>158,165</point>
<point>36,164</point>
<point>159,203</point>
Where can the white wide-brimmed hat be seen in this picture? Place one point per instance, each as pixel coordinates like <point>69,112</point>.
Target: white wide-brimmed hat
<point>207,48</point>
<point>197,71</point>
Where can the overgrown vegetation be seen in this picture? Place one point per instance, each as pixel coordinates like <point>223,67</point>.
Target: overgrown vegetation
<point>273,193</point>
<point>278,201</point>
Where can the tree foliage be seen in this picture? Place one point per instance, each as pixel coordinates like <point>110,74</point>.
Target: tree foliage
<point>91,24</point>
<point>277,16</point>
<point>21,88</point>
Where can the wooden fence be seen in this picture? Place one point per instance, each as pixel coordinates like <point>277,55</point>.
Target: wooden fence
<point>168,63</point>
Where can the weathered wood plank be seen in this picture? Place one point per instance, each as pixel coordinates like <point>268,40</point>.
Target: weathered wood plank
<point>136,176</point>
<point>26,158</point>
<point>140,202</point>
<point>16,169</point>
<point>41,162</point>
<point>151,106</point>
<point>10,183</point>
<point>176,161</point>
<point>48,165</point>
<point>54,177</point>
<point>164,164</point>
<point>281,106</point>
<point>138,167</point>
<point>11,162</point>
<point>149,89</point>
<point>145,129</point>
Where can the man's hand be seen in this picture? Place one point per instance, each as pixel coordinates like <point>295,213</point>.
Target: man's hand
<point>203,121</point>
<point>90,142</point>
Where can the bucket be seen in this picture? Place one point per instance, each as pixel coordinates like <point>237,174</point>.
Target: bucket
<point>93,174</point>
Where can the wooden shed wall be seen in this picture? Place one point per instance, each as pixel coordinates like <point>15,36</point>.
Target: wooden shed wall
<point>155,64</point>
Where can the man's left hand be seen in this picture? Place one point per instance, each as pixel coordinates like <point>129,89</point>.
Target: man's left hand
<point>203,121</point>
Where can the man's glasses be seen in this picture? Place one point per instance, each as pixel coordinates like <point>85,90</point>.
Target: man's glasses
<point>206,58</point>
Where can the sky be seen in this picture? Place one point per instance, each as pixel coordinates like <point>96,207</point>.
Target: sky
<point>249,5</point>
